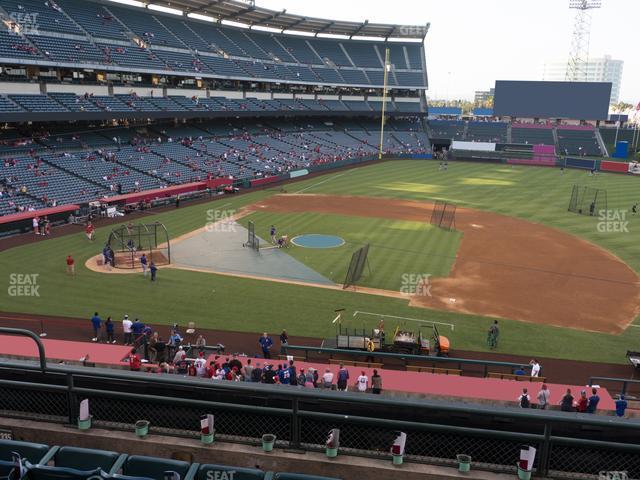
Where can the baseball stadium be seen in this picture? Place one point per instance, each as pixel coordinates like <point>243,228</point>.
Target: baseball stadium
<point>245,243</point>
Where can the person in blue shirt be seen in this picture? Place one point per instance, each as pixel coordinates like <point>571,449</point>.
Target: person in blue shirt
<point>621,406</point>
<point>594,399</point>
<point>108,326</point>
<point>153,269</point>
<point>137,328</point>
<point>265,343</point>
<point>96,323</point>
<point>283,375</point>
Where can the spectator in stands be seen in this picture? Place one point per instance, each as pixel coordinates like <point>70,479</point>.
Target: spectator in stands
<point>108,327</point>
<point>362,383</point>
<point>594,399</point>
<point>544,397</point>
<point>96,323</point>
<point>621,406</point>
<point>327,379</point>
<point>126,329</point>
<point>247,371</point>
<point>567,402</point>
<point>524,400</point>
<point>161,349</point>
<point>376,382</point>
<point>269,375</point>
<point>153,352</point>
<point>71,268</point>
<point>200,364</point>
<point>293,375</point>
<point>535,368</point>
<point>343,378</point>
<point>178,355</point>
<point>134,361</point>
<point>266,343</point>
<point>137,328</point>
<point>583,402</point>
<point>256,374</point>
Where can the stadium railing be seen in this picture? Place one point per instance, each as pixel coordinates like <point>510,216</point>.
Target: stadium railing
<point>569,445</point>
<point>405,358</point>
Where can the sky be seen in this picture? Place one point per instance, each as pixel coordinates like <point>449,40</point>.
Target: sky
<point>473,43</point>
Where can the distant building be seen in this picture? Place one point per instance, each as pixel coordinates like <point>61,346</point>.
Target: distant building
<point>482,97</point>
<point>604,69</point>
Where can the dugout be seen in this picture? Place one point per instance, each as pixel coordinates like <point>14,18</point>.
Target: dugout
<point>130,241</point>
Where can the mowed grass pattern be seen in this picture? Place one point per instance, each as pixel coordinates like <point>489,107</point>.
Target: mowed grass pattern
<point>538,194</point>
<point>397,248</point>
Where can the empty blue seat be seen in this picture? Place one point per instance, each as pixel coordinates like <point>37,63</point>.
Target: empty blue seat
<point>86,458</point>
<point>209,472</point>
<point>33,452</point>
<point>300,476</point>
<point>154,468</point>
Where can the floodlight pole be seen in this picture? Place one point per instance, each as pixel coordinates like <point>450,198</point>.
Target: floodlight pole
<point>387,65</point>
<point>579,55</point>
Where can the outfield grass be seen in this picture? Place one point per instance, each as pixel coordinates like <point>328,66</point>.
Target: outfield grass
<point>397,247</point>
<point>537,194</point>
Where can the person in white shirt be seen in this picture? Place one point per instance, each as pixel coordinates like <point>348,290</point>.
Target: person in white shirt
<point>327,379</point>
<point>535,368</point>
<point>362,382</point>
<point>201,365</point>
<point>126,328</point>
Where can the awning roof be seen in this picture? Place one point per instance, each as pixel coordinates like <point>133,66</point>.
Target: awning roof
<point>246,12</point>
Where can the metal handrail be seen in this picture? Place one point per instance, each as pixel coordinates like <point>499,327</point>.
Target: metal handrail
<point>625,382</point>
<point>27,333</point>
<point>401,356</point>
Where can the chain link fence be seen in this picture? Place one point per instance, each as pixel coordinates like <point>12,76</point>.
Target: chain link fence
<point>436,441</point>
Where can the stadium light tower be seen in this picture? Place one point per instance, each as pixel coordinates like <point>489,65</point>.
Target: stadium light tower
<point>579,54</point>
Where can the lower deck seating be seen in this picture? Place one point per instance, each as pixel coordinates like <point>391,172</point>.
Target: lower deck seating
<point>42,462</point>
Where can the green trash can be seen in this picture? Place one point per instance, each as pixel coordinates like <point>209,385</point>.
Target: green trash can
<point>524,474</point>
<point>398,459</point>
<point>206,438</point>
<point>84,424</point>
<point>142,428</point>
<point>268,441</point>
<point>332,452</point>
<point>464,462</point>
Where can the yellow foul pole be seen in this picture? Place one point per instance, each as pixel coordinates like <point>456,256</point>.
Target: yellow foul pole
<point>387,66</point>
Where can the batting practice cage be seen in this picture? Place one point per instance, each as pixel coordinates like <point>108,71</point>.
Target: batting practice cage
<point>587,200</point>
<point>358,260</point>
<point>129,242</point>
<point>252,241</point>
<point>443,215</point>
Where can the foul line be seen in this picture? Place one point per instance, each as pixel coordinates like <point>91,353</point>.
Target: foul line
<point>320,183</point>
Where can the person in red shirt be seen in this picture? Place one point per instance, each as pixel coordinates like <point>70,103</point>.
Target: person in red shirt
<point>71,268</point>
<point>191,370</point>
<point>89,229</point>
<point>210,371</point>
<point>134,361</point>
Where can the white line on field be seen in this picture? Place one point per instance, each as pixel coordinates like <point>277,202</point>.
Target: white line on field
<point>320,183</point>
